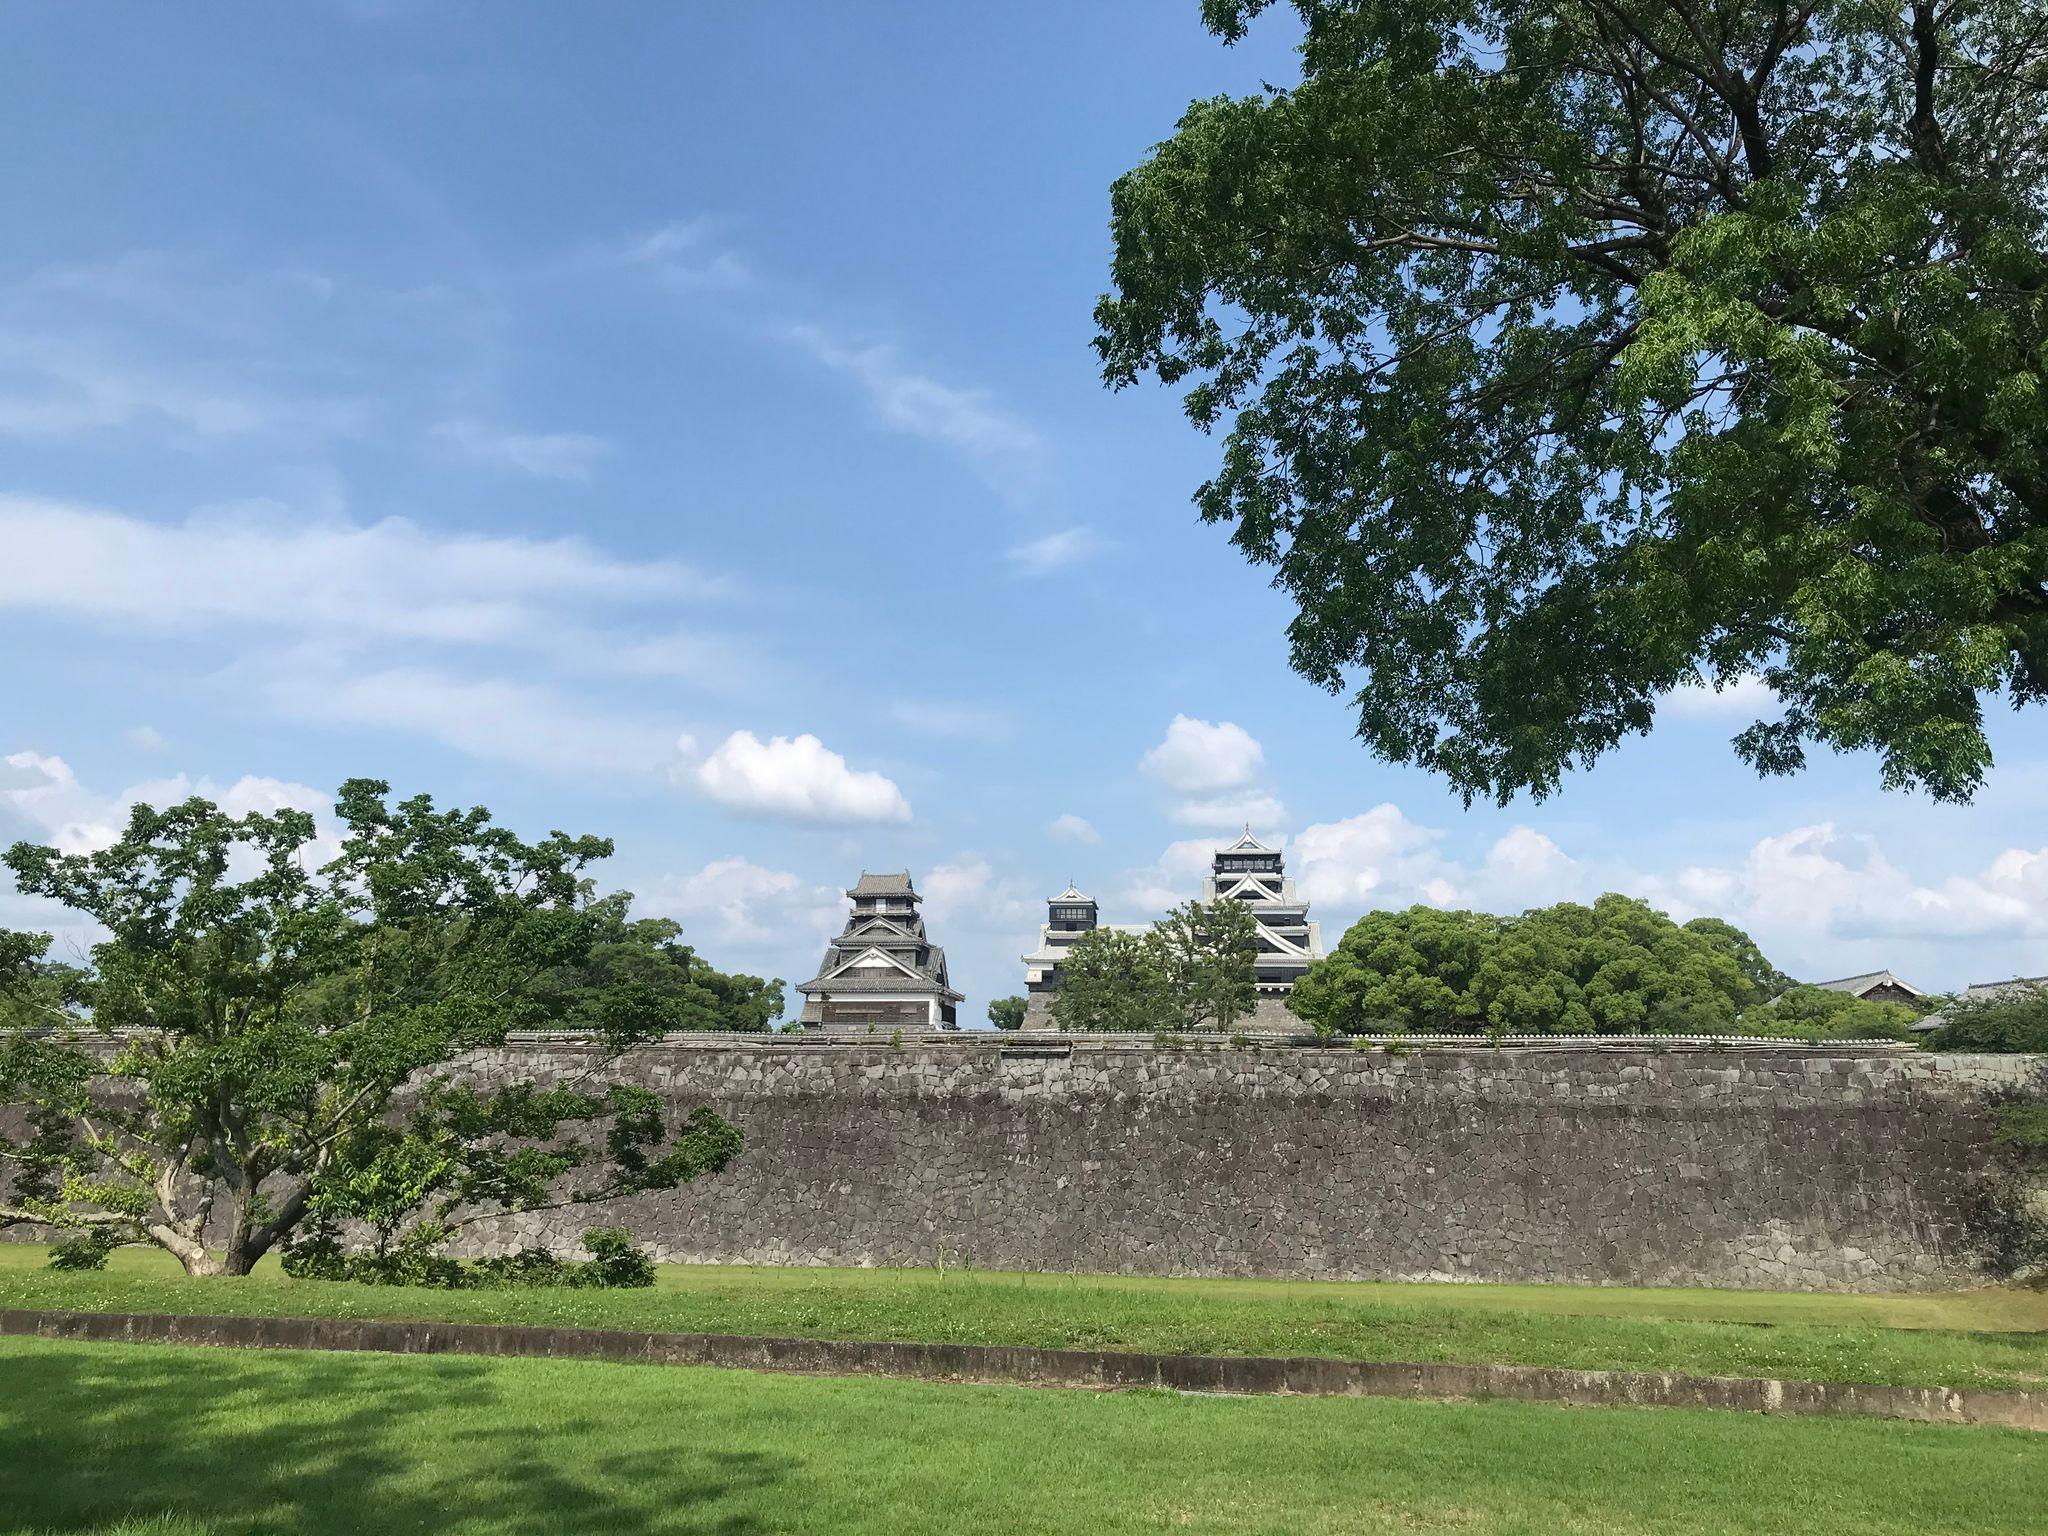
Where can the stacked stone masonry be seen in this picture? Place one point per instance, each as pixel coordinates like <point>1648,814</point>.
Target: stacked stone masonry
<point>1786,1168</point>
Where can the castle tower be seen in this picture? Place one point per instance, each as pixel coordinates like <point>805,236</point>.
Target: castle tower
<point>1289,943</point>
<point>882,972</point>
<point>1067,916</point>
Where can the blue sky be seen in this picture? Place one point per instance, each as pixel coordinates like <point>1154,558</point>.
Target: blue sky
<point>679,423</point>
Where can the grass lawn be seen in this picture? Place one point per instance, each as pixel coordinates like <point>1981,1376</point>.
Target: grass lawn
<point>172,1442</point>
<point>1975,1338</point>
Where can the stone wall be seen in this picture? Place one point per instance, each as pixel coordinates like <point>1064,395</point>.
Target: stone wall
<point>1661,1164</point>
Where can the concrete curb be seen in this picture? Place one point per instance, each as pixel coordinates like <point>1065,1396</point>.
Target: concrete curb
<point>1091,1368</point>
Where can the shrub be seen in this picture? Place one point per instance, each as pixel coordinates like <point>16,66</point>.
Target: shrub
<point>616,1263</point>
<point>88,1250</point>
<point>2015,1020</point>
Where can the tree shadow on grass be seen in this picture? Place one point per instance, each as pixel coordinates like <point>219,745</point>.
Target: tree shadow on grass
<point>307,1443</point>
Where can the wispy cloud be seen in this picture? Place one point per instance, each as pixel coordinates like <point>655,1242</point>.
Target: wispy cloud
<point>1054,552</point>
<point>1069,828</point>
<point>683,255</point>
<point>1000,445</point>
<point>544,455</point>
<point>954,722</point>
<point>155,342</point>
<point>261,567</point>
<point>527,725</point>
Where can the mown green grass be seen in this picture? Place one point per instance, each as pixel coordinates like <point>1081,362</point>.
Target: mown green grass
<point>1978,1338</point>
<point>186,1441</point>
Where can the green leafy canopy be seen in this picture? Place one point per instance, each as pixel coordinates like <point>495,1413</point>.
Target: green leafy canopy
<point>258,1042</point>
<point>1573,351</point>
<point>1618,966</point>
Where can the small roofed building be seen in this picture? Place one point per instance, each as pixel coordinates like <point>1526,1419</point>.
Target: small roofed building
<point>1875,987</point>
<point>883,971</point>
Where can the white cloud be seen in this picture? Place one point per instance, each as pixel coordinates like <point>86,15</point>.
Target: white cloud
<point>1819,881</point>
<point>1069,828</point>
<point>797,778</point>
<point>1054,552</point>
<point>43,792</point>
<point>391,580</point>
<point>954,722</point>
<point>733,903</point>
<point>544,455</point>
<point>1748,696</point>
<point>1378,858</point>
<point>1525,869</point>
<point>145,738</point>
<point>1174,877</point>
<point>1254,808</point>
<point>1003,448</point>
<point>528,725</point>
<point>1198,758</point>
<point>968,894</point>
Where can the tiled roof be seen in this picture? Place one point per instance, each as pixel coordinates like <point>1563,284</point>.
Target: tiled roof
<point>874,929</point>
<point>1984,991</point>
<point>1073,893</point>
<point>884,885</point>
<point>1868,980</point>
<point>915,986</point>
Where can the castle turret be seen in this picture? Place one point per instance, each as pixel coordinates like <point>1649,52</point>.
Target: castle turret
<point>883,971</point>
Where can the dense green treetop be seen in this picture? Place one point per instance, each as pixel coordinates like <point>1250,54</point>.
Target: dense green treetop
<point>1618,966</point>
<point>1007,1012</point>
<point>2015,1020</point>
<point>1209,950</point>
<point>1840,1015</point>
<point>1113,980</point>
<point>1571,350</point>
<point>274,1009</point>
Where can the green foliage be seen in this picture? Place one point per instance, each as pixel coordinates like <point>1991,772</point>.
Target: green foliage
<point>1616,967</point>
<point>269,1013</point>
<point>2017,1020</point>
<point>616,1263</point>
<point>1573,350</point>
<point>1209,949</point>
<point>87,1251</point>
<point>1804,1012</point>
<point>640,972</point>
<point>2023,1125</point>
<point>1193,969</point>
<point>1007,1012</point>
<point>1111,980</point>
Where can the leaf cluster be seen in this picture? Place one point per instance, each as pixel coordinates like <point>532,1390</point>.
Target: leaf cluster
<point>231,1057</point>
<point>1569,352</point>
<point>1191,970</point>
<point>1617,966</point>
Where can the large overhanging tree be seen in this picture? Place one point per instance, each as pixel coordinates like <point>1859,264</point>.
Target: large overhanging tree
<point>256,1044</point>
<point>1571,350</point>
